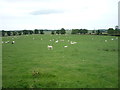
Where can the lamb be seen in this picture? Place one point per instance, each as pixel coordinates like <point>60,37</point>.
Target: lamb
<point>50,47</point>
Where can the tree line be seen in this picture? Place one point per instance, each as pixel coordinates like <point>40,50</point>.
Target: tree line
<point>110,31</point>
<point>36,31</point>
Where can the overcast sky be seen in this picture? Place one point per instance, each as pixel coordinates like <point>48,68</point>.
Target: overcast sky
<point>56,14</point>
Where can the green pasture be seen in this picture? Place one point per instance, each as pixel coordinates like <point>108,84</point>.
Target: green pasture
<point>90,63</point>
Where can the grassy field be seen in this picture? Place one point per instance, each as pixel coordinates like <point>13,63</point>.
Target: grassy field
<point>90,63</point>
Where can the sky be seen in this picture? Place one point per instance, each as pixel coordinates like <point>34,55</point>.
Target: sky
<point>57,14</point>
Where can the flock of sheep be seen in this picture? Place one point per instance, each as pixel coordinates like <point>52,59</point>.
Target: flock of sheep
<point>12,42</point>
<point>50,47</point>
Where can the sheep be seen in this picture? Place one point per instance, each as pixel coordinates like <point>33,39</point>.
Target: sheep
<point>116,37</point>
<point>65,46</point>
<point>13,42</point>
<point>105,40</point>
<point>112,39</point>
<point>56,41</point>
<point>50,40</point>
<point>73,42</point>
<point>33,38</point>
<point>50,47</point>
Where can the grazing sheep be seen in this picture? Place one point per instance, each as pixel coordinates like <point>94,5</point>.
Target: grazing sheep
<point>56,41</point>
<point>73,42</point>
<point>50,40</point>
<point>112,39</point>
<point>65,46</point>
<point>13,42</point>
<point>50,47</point>
<point>105,40</point>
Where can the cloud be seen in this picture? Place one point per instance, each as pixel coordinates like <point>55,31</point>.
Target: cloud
<point>44,12</point>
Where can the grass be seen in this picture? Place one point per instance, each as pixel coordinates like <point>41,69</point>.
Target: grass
<point>88,64</point>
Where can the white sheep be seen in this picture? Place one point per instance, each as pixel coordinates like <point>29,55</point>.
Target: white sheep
<point>105,40</point>
<point>65,46</point>
<point>56,41</point>
<point>13,42</point>
<point>112,39</point>
<point>50,47</point>
<point>73,42</point>
<point>116,37</point>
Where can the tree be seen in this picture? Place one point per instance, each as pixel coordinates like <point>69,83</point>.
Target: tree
<point>25,32</point>
<point>14,33</point>
<point>85,31</point>
<point>41,32</point>
<point>58,32</point>
<point>80,31</point>
<point>30,31</point>
<point>63,31</point>
<point>52,32</point>
<point>75,31</point>
<point>98,32</point>
<point>3,33</point>
<point>93,31</point>
<point>36,31</point>
<point>19,32</point>
<point>9,33</point>
<point>110,31</point>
